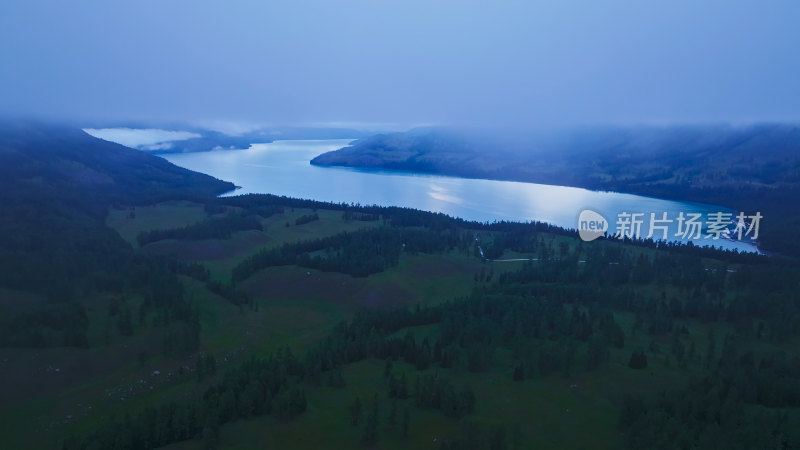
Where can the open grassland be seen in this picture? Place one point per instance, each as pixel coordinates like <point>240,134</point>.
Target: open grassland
<point>417,279</point>
<point>129,222</point>
<point>221,255</point>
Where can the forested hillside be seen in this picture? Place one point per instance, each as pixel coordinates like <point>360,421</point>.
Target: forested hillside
<point>749,168</point>
<point>56,186</point>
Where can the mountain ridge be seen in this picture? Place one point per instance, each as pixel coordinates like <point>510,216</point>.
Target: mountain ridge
<point>752,168</point>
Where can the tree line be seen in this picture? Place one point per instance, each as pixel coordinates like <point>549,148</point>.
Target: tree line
<point>214,228</point>
<point>358,253</point>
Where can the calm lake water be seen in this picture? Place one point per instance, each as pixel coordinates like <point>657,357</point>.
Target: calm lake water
<point>282,168</point>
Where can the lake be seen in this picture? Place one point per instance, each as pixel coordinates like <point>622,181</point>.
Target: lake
<point>283,168</point>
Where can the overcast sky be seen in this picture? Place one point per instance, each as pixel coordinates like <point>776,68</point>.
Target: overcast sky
<point>402,62</point>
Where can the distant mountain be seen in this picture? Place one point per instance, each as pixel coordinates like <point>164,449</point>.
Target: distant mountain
<point>176,138</point>
<point>66,160</point>
<point>597,158</point>
<point>751,168</point>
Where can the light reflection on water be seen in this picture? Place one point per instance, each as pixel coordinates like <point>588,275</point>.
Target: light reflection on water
<point>282,168</point>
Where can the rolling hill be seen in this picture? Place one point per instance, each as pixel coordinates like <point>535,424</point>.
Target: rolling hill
<point>749,168</point>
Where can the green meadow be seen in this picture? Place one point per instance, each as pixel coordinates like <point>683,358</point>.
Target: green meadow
<point>297,308</point>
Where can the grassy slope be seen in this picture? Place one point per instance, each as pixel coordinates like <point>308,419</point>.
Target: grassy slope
<point>71,389</point>
<point>130,222</point>
<point>298,307</point>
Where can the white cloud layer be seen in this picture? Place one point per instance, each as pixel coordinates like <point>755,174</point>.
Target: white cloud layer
<point>145,138</point>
